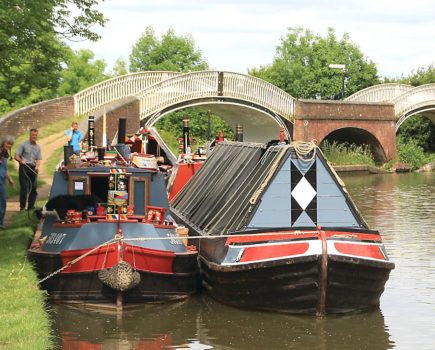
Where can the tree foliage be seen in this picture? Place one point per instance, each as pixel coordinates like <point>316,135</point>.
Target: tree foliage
<point>31,45</point>
<point>423,75</point>
<point>81,72</point>
<point>301,65</point>
<point>170,53</point>
<point>417,130</point>
<point>198,124</point>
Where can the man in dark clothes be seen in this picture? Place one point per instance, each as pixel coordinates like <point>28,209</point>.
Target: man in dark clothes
<point>29,156</point>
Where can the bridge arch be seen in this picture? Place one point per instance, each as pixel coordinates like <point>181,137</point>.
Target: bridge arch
<point>419,100</point>
<point>407,100</point>
<point>216,89</point>
<point>359,137</point>
<point>115,89</point>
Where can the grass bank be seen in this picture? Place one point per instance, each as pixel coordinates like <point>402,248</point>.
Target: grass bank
<point>24,321</point>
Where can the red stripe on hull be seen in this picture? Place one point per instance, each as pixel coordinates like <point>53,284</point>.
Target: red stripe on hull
<point>92,262</point>
<point>149,259</point>
<point>362,250</point>
<point>279,236</point>
<point>266,236</point>
<point>354,235</point>
<point>144,259</point>
<point>273,251</point>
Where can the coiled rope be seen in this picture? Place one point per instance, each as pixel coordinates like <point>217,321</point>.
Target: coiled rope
<point>304,148</point>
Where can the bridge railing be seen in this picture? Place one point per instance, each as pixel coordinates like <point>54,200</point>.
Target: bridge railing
<point>380,93</point>
<point>423,94</point>
<point>205,84</point>
<point>115,89</point>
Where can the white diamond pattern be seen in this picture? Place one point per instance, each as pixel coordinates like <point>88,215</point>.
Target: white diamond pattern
<point>303,193</point>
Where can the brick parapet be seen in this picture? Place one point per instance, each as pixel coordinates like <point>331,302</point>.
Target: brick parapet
<point>341,110</point>
<point>34,116</point>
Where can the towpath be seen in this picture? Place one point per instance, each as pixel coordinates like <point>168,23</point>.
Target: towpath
<point>48,145</point>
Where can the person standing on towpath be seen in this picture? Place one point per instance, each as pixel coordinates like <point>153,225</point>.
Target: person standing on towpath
<point>29,156</point>
<point>5,154</point>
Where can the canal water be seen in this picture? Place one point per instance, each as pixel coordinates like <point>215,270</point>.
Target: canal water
<point>401,206</point>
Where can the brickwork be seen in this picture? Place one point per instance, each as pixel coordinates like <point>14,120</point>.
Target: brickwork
<point>37,115</point>
<point>129,111</point>
<point>317,119</point>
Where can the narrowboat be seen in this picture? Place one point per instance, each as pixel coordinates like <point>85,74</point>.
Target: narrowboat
<point>106,238</point>
<point>276,230</point>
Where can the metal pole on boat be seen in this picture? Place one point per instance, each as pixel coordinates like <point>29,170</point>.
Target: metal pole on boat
<point>208,132</point>
<point>91,132</point>
<point>239,132</point>
<point>185,134</point>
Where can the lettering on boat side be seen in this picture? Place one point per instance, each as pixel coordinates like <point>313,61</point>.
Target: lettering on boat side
<point>56,238</point>
<point>174,238</point>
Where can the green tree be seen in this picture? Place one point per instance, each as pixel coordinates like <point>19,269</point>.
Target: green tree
<point>119,68</point>
<point>170,53</point>
<point>423,75</point>
<point>301,65</point>
<point>81,72</point>
<point>32,33</point>
<point>418,129</point>
<point>198,124</point>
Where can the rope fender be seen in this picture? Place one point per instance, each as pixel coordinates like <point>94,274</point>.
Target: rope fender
<point>120,277</point>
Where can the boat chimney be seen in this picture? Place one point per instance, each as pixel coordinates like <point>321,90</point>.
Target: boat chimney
<point>185,134</point>
<point>121,130</point>
<point>121,147</point>
<point>91,132</point>
<point>239,132</point>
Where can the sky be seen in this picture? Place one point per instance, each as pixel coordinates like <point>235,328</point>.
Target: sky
<point>237,35</point>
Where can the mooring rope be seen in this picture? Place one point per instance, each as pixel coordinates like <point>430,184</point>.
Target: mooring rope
<point>142,239</point>
<point>269,175</point>
<point>266,234</point>
<point>72,262</point>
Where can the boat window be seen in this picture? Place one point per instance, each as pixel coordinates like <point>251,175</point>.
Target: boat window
<point>77,185</point>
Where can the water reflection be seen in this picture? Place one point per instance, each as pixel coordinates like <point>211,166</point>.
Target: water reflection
<point>400,206</point>
<point>202,323</point>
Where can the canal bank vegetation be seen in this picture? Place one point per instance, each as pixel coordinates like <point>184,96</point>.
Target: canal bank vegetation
<point>347,153</point>
<point>24,321</point>
<point>416,142</point>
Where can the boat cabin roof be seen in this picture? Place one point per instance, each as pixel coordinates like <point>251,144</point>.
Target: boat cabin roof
<point>251,186</point>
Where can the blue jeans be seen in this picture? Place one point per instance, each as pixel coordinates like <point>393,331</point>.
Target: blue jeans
<point>2,201</point>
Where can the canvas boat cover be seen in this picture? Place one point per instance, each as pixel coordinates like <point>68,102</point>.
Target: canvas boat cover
<point>251,186</point>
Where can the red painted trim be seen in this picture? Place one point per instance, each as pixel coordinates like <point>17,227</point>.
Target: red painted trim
<point>92,262</point>
<point>363,250</point>
<point>273,251</point>
<point>354,235</point>
<point>145,259</point>
<point>269,236</point>
<point>184,173</point>
<point>151,260</point>
<point>250,238</point>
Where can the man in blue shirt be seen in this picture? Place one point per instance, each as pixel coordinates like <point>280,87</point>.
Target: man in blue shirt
<point>74,137</point>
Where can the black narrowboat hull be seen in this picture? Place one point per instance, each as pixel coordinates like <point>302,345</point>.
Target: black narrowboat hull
<point>294,273</point>
<point>85,287</point>
<point>294,285</point>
